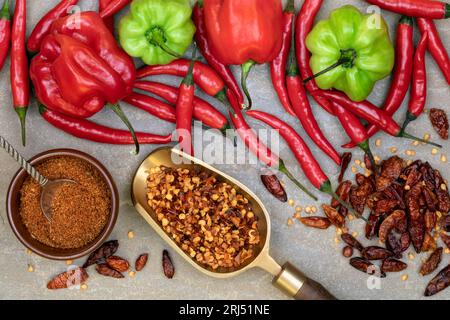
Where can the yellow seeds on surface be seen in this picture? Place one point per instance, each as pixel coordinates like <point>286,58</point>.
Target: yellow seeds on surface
<point>130,234</point>
<point>298,208</point>
<point>350,217</point>
<point>367,173</point>
<point>363,165</point>
<point>443,187</point>
<point>354,170</point>
<point>84,286</point>
<point>439,214</point>
<point>339,231</point>
<point>434,151</point>
<point>410,153</point>
<point>297,216</point>
<point>405,277</point>
<point>290,222</point>
<point>358,162</point>
<point>409,162</point>
<point>313,209</point>
<point>377,159</point>
<point>443,158</point>
<point>411,256</point>
<point>308,209</point>
<point>337,240</point>
<point>378,142</point>
<point>131,273</point>
<point>426,137</point>
<point>393,150</point>
<point>291,202</point>
<point>69,262</point>
<point>355,234</point>
<point>415,143</point>
<point>407,188</point>
<point>30,268</point>
<point>447,251</point>
<point>28,251</point>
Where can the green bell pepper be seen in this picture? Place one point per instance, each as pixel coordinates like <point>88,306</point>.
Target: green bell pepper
<point>350,52</point>
<point>157,31</point>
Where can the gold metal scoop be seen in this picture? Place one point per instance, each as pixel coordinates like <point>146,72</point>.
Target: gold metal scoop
<point>287,278</point>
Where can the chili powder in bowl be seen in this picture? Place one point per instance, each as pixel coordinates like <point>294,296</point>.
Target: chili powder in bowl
<point>84,213</point>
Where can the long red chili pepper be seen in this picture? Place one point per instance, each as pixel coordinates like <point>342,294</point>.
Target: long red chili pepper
<point>109,21</point>
<point>42,28</point>
<point>20,82</point>
<point>201,39</point>
<point>88,130</point>
<point>153,106</point>
<point>303,111</point>
<point>402,73</point>
<point>258,148</point>
<point>372,114</point>
<point>278,65</point>
<point>435,46</point>
<point>204,76</point>
<point>203,111</point>
<point>303,26</point>
<point>5,32</point>
<point>114,7</point>
<point>185,109</point>
<point>308,163</point>
<point>418,97</point>
<point>355,130</point>
<point>415,8</point>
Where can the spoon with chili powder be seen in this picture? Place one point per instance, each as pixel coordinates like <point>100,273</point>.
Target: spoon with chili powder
<point>49,187</point>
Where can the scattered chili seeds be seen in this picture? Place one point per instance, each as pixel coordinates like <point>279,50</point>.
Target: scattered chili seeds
<point>298,208</point>
<point>30,268</point>
<point>393,150</point>
<point>290,222</point>
<point>291,202</point>
<point>130,234</point>
<point>354,170</point>
<point>132,274</point>
<point>84,286</point>
<point>443,158</point>
<point>434,151</point>
<point>405,277</point>
<point>378,142</point>
<point>426,137</point>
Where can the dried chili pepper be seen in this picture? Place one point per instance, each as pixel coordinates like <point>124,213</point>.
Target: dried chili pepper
<point>343,192</point>
<point>105,270</point>
<point>402,72</point>
<point>273,185</point>
<point>352,242</point>
<point>5,32</point>
<point>391,170</point>
<point>432,263</point>
<point>303,111</point>
<point>118,263</point>
<point>43,27</point>
<point>365,266</point>
<point>106,250</point>
<point>393,265</point>
<point>429,243</point>
<point>316,222</point>
<point>309,164</point>
<point>114,7</point>
<point>373,226</point>
<point>278,65</point>
<point>396,220</point>
<point>347,251</point>
<point>430,220</point>
<point>203,111</point>
<point>398,245</point>
<point>418,97</point>
<point>360,194</point>
<point>440,282</point>
<point>141,262</point>
<point>446,239</point>
<point>201,39</point>
<point>435,46</point>
<point>376,253</point>
<point>168,268</point>
<point>439,121</point>
<point>88,130</point>
<point>68,279</point>
<point>20,82</point>
<point>372,114</point>
<point>334,216</point>
<point>345,162</point>
<point>416,8</point>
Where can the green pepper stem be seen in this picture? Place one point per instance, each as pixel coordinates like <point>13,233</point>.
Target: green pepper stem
<point>409,118</point>
<point>119,112</point>
<point>328,189</point>
<point>189,79</point>
<point>403,134</point>
<point>156,37</point>
<point>5,13</point>
<point>347,60</point>
<point>365,146</point>
<point>22,113</point>
<point>290,7</point>
<point>246,68</point>
<point>282,168</point>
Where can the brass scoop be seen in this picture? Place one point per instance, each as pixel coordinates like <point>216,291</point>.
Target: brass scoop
<point>287,278</point>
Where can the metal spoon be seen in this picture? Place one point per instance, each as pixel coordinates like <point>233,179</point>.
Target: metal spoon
<point>49,187</point>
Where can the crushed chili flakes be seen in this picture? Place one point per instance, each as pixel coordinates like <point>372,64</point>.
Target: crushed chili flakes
<point>80,211</point>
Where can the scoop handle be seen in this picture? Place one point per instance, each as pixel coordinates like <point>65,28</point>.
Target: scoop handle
<point>295,284</point>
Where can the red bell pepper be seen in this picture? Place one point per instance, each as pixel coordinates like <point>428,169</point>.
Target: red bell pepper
<point>244,32</point>
<point>79,70</point>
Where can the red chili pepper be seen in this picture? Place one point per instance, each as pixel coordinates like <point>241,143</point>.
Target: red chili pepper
<point>355,130</point>
<point>418,97</point>
<point>20,82</point>
<point>204,76</point>
<point>185,109</point>
<point>303,26</point>
<point>114,7</point>
<point>153,106</point>
<point>415,8</point>
<point>254,144</point>
<point>43,26</point>
<point>109,21</point>
<point>201,39</point>
<point>88,130</point>
<point>5,32</point>
<point>372,114</point>
<point>278,65</point>
<point>303,111</point>
<point>402,73</point>
<point>435,46</point>
<point>203,111</point>
<point>308,163</point>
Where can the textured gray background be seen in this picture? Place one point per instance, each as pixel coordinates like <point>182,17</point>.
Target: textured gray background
<point>315,252</point>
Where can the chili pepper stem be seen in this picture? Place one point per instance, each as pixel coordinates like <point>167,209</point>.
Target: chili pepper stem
<point>409,118</point>
<point>119,112</point>
<point>22,113</point>
<point>4,13</point>
<point>156,37</point>
<point>365,146</point>
<point>403,134</point>
<point>282,168</point>
<point>189,79</point>
<point>246,68</point>
<point>290,6</point>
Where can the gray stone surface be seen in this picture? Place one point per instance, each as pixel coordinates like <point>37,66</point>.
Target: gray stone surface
<point>315,252</point>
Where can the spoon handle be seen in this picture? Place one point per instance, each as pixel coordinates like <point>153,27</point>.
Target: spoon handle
<point>23,163</point>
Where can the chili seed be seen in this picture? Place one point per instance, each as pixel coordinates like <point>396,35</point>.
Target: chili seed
<point>443,158</point>
<point>378,142</point>
<point>308,209</point>
<point>434,151</point>
<point>411,256</point>
<point>350,217</point>
<point>354,170</point>
<point>30,268</point>
<point>355,234</point>
<point>426,137</point>
<point>297,216</point>
<point>358,162</point>
<point>405,277</point>
<point>130,234</point>
<point>415,143</point>
<point>313,209</point>
<point>347,251</point>
<point>443,187</point>
<point>69,262</point>
<point>393,150</point>
<point>289,222</point>
<point>291,202</point>
<point>407,188</point>
<point>131,274</point>
<point>298,208</point>
<point>447,251</point>
<point>84,286</point>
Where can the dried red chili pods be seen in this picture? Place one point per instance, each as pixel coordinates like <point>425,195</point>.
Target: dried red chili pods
<point>376,253</point>
<point>439,282</point>
<point>432,263</point>
<point>439,121</point>
<point>273,185</point>
<point>352,242</point>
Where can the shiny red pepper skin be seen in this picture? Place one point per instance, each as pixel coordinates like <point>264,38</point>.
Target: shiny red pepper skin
<point>203,111</point>
<point>114,7</point>
<point>402,73</point>
<point>351,124</point>
<point>109,21</point>
<point>88,130</point>
<point>435,46</point>
<point>20,82</point>
<point>204,76</point>
<point>278,65</point>
<point>44,25</point>
<point>153,106</point>
<point>415,8</point>
<point>303,26</point>
<point>309,165</point>
<point>303,111</point>
<point>201,39</point>
<point>5,33</point>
